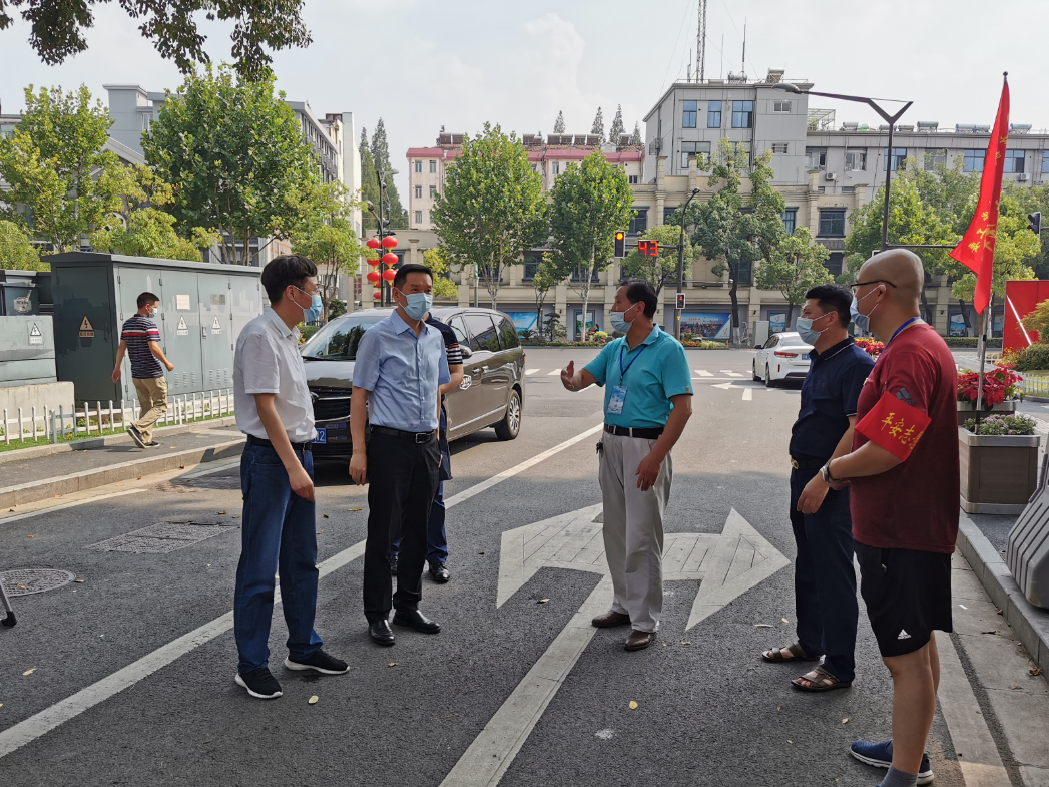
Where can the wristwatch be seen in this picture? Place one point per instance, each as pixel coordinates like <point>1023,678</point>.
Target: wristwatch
<point>826,474</point>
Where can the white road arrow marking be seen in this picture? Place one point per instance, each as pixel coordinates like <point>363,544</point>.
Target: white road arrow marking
<point>747,395</point>
<point>727,565</point>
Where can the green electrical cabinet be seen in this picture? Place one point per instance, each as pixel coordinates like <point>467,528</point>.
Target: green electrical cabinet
<point>202,309</point>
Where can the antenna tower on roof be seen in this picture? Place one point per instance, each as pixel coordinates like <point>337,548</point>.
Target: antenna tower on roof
<point>701,41</point>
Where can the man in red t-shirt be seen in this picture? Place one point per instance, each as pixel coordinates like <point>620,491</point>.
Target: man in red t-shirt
<point>903,472</point>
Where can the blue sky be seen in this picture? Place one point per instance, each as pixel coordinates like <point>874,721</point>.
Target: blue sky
<point>420,64</point>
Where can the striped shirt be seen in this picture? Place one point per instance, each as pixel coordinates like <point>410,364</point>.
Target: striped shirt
<point>137,333</point>
<point>451,341</point>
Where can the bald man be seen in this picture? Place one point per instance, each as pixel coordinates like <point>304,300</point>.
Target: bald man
<point>903,473</point>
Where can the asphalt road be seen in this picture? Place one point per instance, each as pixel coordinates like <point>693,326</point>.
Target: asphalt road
<point>708,710</point>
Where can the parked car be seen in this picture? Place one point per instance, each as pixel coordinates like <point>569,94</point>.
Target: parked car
<point>491,393</point>
<point>783,357</point>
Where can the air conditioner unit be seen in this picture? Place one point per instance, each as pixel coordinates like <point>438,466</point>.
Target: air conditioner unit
<point>831,176</point>
<point>1024,176</point>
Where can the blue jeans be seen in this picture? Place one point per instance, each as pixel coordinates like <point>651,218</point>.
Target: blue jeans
<point>436,538</point>
<point>825,578</point>
<point>278,535</point>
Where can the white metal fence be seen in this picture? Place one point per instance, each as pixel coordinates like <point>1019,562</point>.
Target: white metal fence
<point>83,420</point>
<point>1035,385</point>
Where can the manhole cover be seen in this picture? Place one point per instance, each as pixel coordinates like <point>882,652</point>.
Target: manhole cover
<point>27,581</point>
<point>160,538</point>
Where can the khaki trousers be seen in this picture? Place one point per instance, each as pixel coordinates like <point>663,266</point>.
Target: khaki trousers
<point>633,529</point>
<point>153,399</point>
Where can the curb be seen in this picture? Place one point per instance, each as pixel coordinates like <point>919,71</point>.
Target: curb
<point>124,471</point>
<point>113,439</point>
<point>1030,623</point>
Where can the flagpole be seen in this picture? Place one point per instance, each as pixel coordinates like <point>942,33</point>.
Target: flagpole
<point>983,355</point>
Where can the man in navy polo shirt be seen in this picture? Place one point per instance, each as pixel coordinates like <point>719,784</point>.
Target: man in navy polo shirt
<point>648,400</point>
<point>825,579</point>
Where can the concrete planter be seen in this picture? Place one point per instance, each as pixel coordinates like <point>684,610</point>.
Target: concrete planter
<point>998,472</point>
<point>967,410</point>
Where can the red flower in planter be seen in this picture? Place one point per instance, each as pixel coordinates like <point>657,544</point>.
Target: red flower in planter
<point>998,385</point>
<point>871,346</point>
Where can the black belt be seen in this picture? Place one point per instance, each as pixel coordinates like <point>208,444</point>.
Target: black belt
<point>648,433</point>
<point>253,440</point>
<point>415,437</point>
<point>807,464</point>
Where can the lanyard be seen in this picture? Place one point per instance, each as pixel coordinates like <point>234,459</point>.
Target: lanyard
<point>912,319</point>
<point>622,371</point>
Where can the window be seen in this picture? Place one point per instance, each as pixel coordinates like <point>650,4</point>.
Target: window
<point>834,264</point>
<point>781,106</point>
<point>632,179</point>
<point>418,217</point>
<point>689,149</point>
<point>508,334</point>
<point>848,189</point>
<point>457,325</point>
<point>531,265</point>
<point>742,112</point>
<point>815,158</point>
<point>484,335</point>
<point>639,223</point>
<point>418,166</point>
<point>535,167</point>
<point>555,168</point>
<point>713,114</point>
<point>855,160</point>
<point>418,192</point>
<point>688,114</point>
<point>746,273</point>
<point>896,159</point>
<point>1045,161</point>
<point>1014,161</point>
<point>668,214</point>
<point>790,220</point>
<point>433,165</point>
<point>832,223</point>
<point>433,192</point>
<point>577,275</point>
<point>973,161</point>
<point>934,156</point>
<point>779,147</point>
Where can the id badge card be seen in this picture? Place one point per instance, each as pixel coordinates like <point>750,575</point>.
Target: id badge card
<point>615,401</point>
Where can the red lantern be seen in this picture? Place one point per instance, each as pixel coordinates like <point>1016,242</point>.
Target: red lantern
<point>374,277</point>
<point>389,243</point>
<point>390,259</point>
<point>376,295</point>
<point>389,275</point>
<point>373,243</point>
<point>375,263</point>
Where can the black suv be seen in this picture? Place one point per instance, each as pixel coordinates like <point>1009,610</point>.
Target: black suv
<point>491,394</point>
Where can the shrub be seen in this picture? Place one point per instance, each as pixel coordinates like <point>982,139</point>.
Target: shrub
<point>1002,424</point>
<point>960,342</point>
<point>1031,358</point>
<point>306,332</point>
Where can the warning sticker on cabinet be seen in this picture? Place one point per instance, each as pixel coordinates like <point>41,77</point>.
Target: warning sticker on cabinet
<point>35,336</point>
<point>182,329</point>
<point>216,327</point>
<point>86,331</point>
<point>182,302</point>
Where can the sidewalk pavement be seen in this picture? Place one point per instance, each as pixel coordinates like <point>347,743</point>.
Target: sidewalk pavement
<point>100,461</point>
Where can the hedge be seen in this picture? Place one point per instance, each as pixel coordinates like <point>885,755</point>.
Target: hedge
<point>971,342</point>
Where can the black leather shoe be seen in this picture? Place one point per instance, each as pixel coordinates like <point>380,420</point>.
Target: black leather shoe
<point>381,633</point>
<point>393,565</point>
<point>439,572</point>
<point>414,619</point>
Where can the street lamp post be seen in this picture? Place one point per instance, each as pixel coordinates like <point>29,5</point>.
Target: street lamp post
<point>890,119</point>
<point>681,266</point>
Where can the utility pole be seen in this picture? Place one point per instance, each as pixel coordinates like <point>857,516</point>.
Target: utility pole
<point>701,41</point>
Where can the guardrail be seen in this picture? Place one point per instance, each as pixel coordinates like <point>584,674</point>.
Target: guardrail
<point>84,420</point>
<point>1035,384</point>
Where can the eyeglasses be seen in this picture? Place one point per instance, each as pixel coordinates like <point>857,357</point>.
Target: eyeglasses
<point>859,284</point>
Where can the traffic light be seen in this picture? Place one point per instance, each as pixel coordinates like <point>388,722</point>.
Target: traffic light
<point>620,245</point>
<point>680,301</point>
<point>1036,223</point>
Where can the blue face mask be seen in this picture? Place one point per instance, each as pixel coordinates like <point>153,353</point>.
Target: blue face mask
<point>313,313</point>
<point>863,321</point>
<point>419,304</point>
<point>619,323</point>
<point>805,330</point>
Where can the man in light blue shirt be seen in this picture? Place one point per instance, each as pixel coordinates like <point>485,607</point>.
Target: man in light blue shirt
<point>400,365</point>
<point>648,400</point>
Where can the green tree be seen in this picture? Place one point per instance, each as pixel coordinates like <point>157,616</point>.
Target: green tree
<point>17,253</point>
<point>589,202</point>
<point>326,236</point>
<point>617,130</point>
<point>599,125</point>
<point>635,138</point>
<point>369,183</point>
<point>546,278</point>
<point>1031,200</point>
<point>57,29</point>
<point>493,207</point>
<point>796,266</point>
<point>236,155</point>
<point>737,229</point>
<point>52,163</point>
<point>559,124</point>
<point>149,232</point>
<point>657,271</point>
<point>380,151</point>
<point>437,261</point>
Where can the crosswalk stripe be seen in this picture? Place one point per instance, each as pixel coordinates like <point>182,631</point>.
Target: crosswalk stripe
<point>747,395</point>
<point>731,374</point>
<point>555,371</point>
<point>531,371</point>
<point>703,373</point>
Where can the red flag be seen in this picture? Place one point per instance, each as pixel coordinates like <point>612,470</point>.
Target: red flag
<point>976,250</point>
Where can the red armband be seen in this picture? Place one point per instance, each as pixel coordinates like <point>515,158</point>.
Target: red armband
<point>894,425</point>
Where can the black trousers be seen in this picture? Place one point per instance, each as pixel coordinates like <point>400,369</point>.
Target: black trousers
<point>402,482</point>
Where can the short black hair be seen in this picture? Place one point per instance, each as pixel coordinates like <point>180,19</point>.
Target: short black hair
<point>147,298</point>
<point>637,290</point>
<point>833,298</point>
<point>411,267</point>
<point>287,269</point>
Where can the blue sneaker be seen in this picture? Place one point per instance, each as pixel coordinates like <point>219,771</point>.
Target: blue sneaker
<point>880,756</point>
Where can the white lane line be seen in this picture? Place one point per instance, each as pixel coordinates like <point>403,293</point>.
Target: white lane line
<point>747,395</point>
<point>555,371</point>
<point>48,719</point>
<point>531,371</point>
<point>703,373</point>
<point>731,374</point>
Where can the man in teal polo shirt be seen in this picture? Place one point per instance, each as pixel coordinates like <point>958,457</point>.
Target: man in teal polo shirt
<point>648,399</point>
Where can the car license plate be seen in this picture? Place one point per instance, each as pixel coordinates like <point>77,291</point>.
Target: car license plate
<point>322,436</point>
<point>805,357</point>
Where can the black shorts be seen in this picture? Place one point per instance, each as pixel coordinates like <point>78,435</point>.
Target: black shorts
<point>908,596</point>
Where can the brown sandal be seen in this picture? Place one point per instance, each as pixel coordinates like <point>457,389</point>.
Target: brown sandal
<point>797,653</point>
<point>821,680</point>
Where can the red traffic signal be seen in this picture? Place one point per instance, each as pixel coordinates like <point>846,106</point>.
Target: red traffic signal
<point>648,248</point>
<point>681,300</point>
<point>619,250</point>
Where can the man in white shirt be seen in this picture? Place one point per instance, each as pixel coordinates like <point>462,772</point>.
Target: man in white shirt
<point>279,522</point>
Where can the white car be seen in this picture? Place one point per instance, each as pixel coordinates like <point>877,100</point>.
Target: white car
<point>783,357</point>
